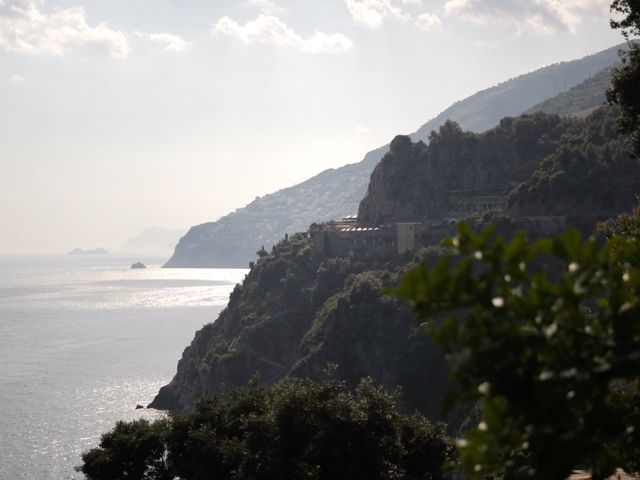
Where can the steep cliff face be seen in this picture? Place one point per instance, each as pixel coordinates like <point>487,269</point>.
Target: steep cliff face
<point>232,240</point>
<point>366,334</point>
<point>413,181</point>
<point>548,166</point>
<point>295,313</point>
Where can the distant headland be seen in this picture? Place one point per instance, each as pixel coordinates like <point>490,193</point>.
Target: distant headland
<point>94,251</point>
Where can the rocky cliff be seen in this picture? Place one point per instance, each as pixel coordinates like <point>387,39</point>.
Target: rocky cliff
<point>232,240</point>
<point>295,313</point>
<point>299,309</point>
<point>414,180</point>
<point>547,165</point>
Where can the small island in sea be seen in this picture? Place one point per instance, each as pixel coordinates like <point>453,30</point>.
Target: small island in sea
<point>138,265</point>
<point>94,251</point>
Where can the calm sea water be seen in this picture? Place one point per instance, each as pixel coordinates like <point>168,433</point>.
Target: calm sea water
<point>83,340</point>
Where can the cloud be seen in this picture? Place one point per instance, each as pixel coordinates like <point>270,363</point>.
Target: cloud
<point>538,16</point>
<point>167,41</point>
<point>428,22</point>
<point>373,13</point>
<point>24,28</point>
<point>270,30</point>
<point>360,130</point>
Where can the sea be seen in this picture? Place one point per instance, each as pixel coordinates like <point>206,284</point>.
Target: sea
<point>83,341</point>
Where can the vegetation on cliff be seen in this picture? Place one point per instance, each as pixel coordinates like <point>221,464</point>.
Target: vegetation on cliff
<point>295,312</point>
<point>591,172</point>
<point>294,430</point>
<point>550,165</point>
<point>413,181</point>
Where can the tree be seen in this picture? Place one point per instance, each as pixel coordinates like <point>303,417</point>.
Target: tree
<point>296,429</point>
<point>625,84</point>
<point>626,225</point>
<point>133,450</point>
<point>545,337</point>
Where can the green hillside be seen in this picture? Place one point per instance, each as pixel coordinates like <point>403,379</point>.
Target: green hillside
<point>579,100</point>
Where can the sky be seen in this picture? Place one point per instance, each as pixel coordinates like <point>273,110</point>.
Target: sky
<point>121,114</point>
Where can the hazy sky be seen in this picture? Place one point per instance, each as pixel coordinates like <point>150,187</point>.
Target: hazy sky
<point>120,114</point>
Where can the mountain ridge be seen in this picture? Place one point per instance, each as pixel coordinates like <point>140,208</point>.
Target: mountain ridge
<point>232,240</point>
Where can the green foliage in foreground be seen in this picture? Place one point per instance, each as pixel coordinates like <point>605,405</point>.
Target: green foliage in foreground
<point>293,430</point>
<point>545,336</point>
